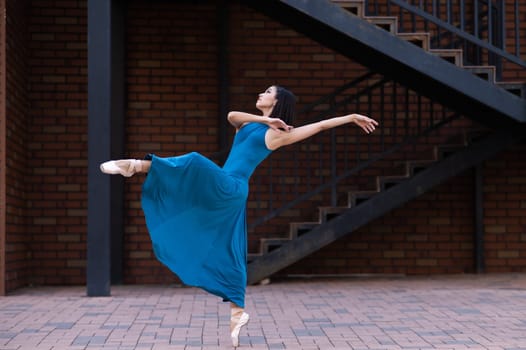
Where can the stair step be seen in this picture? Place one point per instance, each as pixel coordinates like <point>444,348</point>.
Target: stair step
<point>413,167</point>
<point>385,182</point>
<point>328,213</point>
<point>356,7</point>
<point>422,40</point>
<point>516,88</point>
<point>388,23</point>
<point>298,229</point>
<point>444,151</point>
<point>483,72</point>
<point>357,197</point>
<point>270,244</point>
<point>453,56</point>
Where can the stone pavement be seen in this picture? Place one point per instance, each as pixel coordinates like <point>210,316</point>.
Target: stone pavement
<point>444,312</point>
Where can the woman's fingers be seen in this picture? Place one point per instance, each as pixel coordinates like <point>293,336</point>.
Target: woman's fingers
<point>369,125</point>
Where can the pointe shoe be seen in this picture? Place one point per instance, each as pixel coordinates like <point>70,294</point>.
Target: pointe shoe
<point>124,167</point>
<point>243,320</point>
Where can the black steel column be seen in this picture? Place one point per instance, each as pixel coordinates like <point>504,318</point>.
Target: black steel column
<point>105,141</point>
<point>479,220</point>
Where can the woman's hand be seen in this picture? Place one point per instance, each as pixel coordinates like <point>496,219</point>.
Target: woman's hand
<point>278,124</point>
<point>366,123</point>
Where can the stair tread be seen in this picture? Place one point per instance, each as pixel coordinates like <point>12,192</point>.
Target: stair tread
<point>418,161</point>
<point>490,70</point>
<point>333,208</point>
<point>456,54</point>
<point>480,67</point>
<point>519,87</point>
<point>447,50</point>
<point>274,240</point>
<point>412,164</point>
<point>365,192</point>
<point>382,181</point>
<point>324,212</point>
<point>354,195</point>
<point>358,5</point>
<point>267,243</point>
<point>305,223</point>
<point>389,20</point>
<point>393,177</point>
<point>512,83</point>
<point>424,37</point>
<point>393,18</point>
<point>414,34</point>
<point>297,226</point>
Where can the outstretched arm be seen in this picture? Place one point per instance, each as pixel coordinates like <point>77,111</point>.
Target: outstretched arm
<point>276,138</point>
<point>238,119</point>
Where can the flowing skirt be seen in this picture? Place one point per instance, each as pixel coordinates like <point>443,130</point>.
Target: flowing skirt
<point>196,216</point>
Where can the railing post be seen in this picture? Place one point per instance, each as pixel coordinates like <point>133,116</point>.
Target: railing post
<point>334,194</point>
<point>479,220</point>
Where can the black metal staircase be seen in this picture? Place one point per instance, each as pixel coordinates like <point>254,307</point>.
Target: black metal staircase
<point>406,58</point>
<point>365,206</point>
<point>392,56</point>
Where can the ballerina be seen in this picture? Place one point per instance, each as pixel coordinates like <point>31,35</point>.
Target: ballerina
<point>195,210</point>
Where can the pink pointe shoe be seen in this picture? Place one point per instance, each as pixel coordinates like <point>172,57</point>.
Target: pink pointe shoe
<point>243,320</point>
<point>124,167</point>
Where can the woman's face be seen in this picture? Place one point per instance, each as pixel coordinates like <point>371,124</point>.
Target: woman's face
<point>266,100</point>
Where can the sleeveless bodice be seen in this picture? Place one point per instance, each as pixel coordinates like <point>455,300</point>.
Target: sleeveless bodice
<point>248,150</point>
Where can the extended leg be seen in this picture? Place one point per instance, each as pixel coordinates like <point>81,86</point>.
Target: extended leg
<point>125,167</point>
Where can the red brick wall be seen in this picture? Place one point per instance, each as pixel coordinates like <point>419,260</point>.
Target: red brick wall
<point>505,211</point>
<point>172,105</point>
<point>172,94</point>
<point>57,194</point>
<point>18,250</point>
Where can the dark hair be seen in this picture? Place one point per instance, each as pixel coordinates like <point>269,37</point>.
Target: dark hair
<point>285,108</point>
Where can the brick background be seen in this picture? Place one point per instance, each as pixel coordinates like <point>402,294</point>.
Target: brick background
<point>57,147</point>
<point>172,108</point>
<point>172,105</point>
<point>18,236</point>
<point>505,208</point>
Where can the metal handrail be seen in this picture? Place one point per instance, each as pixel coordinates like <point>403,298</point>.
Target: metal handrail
<point>460,30</point>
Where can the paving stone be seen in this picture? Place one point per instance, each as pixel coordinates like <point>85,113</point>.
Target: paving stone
<point>440,312</point>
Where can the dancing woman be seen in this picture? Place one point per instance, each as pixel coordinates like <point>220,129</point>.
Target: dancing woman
<point>196,211</point>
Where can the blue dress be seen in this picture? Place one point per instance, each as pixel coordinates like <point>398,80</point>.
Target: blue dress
<point>196,214</point>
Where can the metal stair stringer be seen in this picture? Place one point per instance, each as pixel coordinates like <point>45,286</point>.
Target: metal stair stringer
<point>384,52</point>
<point>380,204</point>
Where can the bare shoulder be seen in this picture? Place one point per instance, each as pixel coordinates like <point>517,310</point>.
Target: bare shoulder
<point>272,139</point>
<point>275,139</point>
